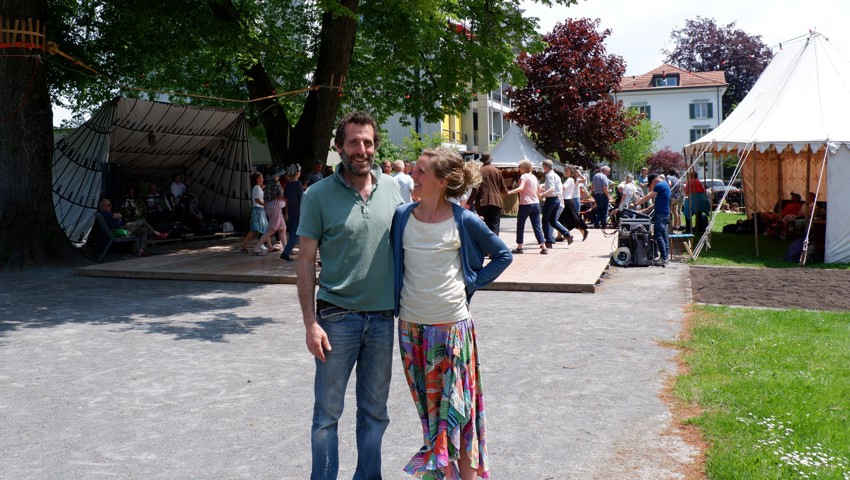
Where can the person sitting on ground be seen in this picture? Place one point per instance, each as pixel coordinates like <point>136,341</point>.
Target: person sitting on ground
<point>734,208</point>
<point>140,228</point>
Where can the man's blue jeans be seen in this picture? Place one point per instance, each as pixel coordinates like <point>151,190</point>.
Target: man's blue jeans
<point>364,339</point>
<point>550,220</point>
<point>659,225</point>
<point>291,237</point>
<point>601,220</point>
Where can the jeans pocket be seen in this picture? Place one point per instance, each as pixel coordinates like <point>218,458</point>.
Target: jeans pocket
<point>386,315</point>
<point>333,314</point>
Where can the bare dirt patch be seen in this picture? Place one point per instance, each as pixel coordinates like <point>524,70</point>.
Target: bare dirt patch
<point>802,288</point>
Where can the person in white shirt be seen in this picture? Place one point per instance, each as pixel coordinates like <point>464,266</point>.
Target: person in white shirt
<point>551,193</point>
<point>405,182</point>
<point>177,189</point>
<point>629,192</point>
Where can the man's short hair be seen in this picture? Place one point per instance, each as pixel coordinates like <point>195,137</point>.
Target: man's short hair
<point>651,177</point>
<point>398,165</point>
<point>548,163</point>
<point>486,157</point>
<point>358,118</point>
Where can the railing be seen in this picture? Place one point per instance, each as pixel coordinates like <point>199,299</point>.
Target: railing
<point>454,136</point>
<point>502,99</point>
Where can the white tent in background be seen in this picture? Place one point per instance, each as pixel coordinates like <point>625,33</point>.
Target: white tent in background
<point>516,146</point>
<point>792,134</point>
<point>151,141</point>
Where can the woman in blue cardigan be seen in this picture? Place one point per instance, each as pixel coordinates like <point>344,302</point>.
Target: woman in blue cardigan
<point>439,250</point>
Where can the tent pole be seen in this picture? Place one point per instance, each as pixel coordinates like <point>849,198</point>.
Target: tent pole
<point>808,172</point>
<point>755,213</point>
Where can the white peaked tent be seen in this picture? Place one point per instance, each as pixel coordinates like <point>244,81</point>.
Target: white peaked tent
<point>792,134</point>
<point>151,141</point>
<point>516,146</point>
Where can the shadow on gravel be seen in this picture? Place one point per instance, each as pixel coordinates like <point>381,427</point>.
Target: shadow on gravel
<point>46,298</point>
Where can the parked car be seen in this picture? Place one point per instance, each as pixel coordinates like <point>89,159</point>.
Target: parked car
<point>715,188</point>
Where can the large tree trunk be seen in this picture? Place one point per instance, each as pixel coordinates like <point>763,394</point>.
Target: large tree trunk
<point>316,125</point>
<point>29,232</point>
<point>308,141</point>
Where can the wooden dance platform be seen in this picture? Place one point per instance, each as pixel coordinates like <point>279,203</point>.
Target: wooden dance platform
<point>575,268</point>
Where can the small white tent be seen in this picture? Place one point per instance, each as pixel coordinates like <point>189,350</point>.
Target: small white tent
<point>516,146</point>
<point>792,134</point>
<point>151,141</point>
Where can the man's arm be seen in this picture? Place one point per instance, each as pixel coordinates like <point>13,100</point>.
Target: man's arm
<point>317,339</point>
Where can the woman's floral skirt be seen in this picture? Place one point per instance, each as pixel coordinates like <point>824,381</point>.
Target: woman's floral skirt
<point>441,366</point>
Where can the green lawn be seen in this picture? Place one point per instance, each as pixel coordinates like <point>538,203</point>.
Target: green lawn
<point>775,389</point>
<point>730,249</point>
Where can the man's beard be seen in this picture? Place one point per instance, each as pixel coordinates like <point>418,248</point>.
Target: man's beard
<point>346,163</point>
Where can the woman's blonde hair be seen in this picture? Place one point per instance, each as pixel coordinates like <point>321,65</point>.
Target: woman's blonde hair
<point>460,176</point>
<point>525,166</point>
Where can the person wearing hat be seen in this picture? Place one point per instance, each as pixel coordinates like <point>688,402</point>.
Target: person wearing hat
<point>274,203</point>
<point>660,192</point>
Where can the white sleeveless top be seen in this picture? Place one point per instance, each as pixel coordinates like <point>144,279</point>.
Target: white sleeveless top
<point>433,291</point>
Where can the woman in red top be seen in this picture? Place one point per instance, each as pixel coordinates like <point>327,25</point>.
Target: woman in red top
<point>696,200</point>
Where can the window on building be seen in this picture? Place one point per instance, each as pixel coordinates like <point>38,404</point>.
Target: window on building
<point>699,110</point>
<point>644,109</point>
<point>699,132</point>
<point>665,80</point>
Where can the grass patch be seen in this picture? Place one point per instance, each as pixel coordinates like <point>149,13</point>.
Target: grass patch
<point>734,250</point>
<point>774,387</point>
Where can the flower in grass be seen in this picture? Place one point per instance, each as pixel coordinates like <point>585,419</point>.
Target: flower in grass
<point>808,462</point>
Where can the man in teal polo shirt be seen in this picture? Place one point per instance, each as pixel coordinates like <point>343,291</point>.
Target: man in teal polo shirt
<point>347,216</point>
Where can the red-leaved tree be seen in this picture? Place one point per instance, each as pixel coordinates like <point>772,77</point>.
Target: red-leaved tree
<point>664,160</point>
<point>566,104</point>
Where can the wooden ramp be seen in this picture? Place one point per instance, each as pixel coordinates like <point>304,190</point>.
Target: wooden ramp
<point>575,269</point>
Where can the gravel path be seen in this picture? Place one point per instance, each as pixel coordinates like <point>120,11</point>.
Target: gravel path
<point>147,379</point>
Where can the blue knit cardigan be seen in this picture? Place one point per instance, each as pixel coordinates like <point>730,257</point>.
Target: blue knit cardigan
<point>476,240</point>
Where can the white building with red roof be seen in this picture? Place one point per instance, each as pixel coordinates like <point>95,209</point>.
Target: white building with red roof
<point>687,104</point>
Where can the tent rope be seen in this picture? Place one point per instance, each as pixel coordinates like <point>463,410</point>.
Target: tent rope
<point>705,240</point>
<point>804,255</point>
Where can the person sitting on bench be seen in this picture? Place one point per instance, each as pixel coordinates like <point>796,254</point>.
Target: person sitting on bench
<point>140,228</point>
